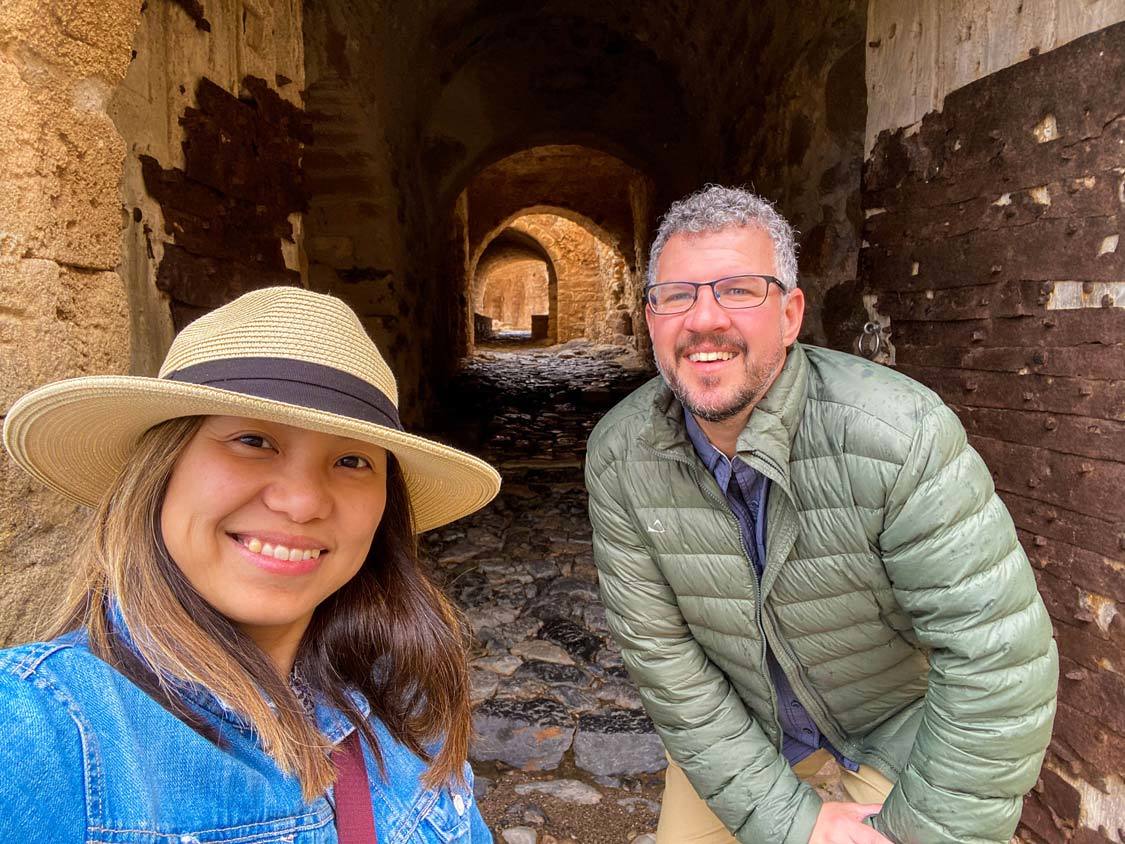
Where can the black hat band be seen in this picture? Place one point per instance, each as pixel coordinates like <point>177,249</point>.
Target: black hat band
<point>296,382</point>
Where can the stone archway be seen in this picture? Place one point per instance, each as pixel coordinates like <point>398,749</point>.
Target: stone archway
<point>516,286</point>
<point>593,293</point>
<point>591,277</point>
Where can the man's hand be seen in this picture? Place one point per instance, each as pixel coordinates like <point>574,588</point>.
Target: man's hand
<point>842,823</point>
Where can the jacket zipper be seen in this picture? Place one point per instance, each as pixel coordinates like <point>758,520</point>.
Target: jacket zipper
<point>788,663</point>
<point>812,705</point>
<point>756,585</point>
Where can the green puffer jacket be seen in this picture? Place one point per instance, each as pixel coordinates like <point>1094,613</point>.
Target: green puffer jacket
<point>895,596</point>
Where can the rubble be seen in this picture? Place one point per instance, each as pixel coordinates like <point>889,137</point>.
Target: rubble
<point>548,683</point>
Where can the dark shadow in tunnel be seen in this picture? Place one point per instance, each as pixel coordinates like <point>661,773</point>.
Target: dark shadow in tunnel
<point>436,122</point>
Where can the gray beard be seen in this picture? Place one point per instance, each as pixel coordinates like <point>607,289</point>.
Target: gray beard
<point>749,395</point>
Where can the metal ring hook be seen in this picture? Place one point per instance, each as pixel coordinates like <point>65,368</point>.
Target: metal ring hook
<point>873,331</point>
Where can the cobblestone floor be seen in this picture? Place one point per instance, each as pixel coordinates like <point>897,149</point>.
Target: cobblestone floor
<point>564,751</point>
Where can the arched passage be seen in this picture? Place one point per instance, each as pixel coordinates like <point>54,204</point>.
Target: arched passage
<point>165,156</point>
<point>514,287</point>
<point>593,291</point>
<point>590,211</point>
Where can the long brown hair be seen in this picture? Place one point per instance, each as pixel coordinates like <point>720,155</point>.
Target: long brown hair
<point>389,632</point>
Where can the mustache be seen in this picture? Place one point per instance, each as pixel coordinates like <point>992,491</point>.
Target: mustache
<point>721,341</point>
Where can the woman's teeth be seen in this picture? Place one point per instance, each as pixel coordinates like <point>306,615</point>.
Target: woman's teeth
<point>703,357</point>
<point>279,552</point>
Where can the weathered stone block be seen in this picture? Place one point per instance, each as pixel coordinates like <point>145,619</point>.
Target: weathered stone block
<point>87,39</point>
<point>574,639</point>
<point>56,323</point>
<point>532,735</point>
<point>549,672</point>
<point>60,162</point>
<point>59,323</point>
<point>618,742</point>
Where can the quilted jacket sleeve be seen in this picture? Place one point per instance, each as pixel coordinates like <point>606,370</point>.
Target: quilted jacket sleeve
<point>703,723</point>
<point>956,567</point>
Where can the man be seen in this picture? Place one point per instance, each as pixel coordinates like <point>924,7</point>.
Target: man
<point>801,558</point>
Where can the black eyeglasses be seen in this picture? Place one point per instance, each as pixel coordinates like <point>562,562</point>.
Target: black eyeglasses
<point>732,292</point>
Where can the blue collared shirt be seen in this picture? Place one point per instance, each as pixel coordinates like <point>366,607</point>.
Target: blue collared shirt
<point>747,493</point>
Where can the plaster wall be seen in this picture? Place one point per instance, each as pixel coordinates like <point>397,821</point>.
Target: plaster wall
<point>920,50</point>
<point>178,51</point>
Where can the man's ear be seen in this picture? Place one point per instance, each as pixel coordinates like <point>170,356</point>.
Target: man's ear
<point>648,320</point>
<point>792,315</point>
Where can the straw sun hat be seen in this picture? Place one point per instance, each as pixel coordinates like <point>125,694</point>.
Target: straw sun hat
<point>281,354</point>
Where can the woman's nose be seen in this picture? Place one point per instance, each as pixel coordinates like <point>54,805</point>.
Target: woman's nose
<point>300,493</point>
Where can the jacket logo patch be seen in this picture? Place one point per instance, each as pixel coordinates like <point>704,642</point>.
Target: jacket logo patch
<point>656,527</point>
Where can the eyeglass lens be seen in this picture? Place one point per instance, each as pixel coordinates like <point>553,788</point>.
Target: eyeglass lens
<point>744,291</point>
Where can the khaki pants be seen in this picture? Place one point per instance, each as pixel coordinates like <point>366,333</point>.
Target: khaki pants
<point>686,819</point>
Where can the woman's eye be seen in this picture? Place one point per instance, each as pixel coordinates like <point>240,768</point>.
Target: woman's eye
<point>354,461</point>
<point>255,441</point>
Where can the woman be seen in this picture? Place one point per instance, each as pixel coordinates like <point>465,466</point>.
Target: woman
<point>251,651</point>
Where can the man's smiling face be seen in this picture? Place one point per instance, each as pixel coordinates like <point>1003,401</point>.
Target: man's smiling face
<point>720,362</point>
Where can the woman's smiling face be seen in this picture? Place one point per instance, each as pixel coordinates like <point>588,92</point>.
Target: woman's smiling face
<point>267,520</point>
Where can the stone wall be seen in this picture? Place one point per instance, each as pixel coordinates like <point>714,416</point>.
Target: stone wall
<point>589,300</point>
<point>361,235</point>
<point>89,91</point>
<point>63,305</point>
<point>994,231</point>
<point>210,113</point>
<point>793,113</point>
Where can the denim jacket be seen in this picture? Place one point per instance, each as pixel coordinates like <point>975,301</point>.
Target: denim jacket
<point>86,756</point>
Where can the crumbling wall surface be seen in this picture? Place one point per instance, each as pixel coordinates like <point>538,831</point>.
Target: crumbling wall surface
<point>229,209</point>
<point>995,251</point>
<point>211,111</point>
<point>590,278</point>
<point>63,309</point>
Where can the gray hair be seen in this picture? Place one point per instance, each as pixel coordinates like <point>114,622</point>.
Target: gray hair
<point>715,208</point>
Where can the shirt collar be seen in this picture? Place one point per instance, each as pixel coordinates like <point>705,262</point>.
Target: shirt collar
<point>717,463</point>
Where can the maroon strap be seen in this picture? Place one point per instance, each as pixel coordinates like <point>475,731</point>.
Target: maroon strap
<point>355,821</point>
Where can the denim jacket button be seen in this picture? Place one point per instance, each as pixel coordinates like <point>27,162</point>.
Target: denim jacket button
<point>459,804</point>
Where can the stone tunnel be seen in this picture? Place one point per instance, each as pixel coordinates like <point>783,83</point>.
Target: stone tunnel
<point>480,181</point>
